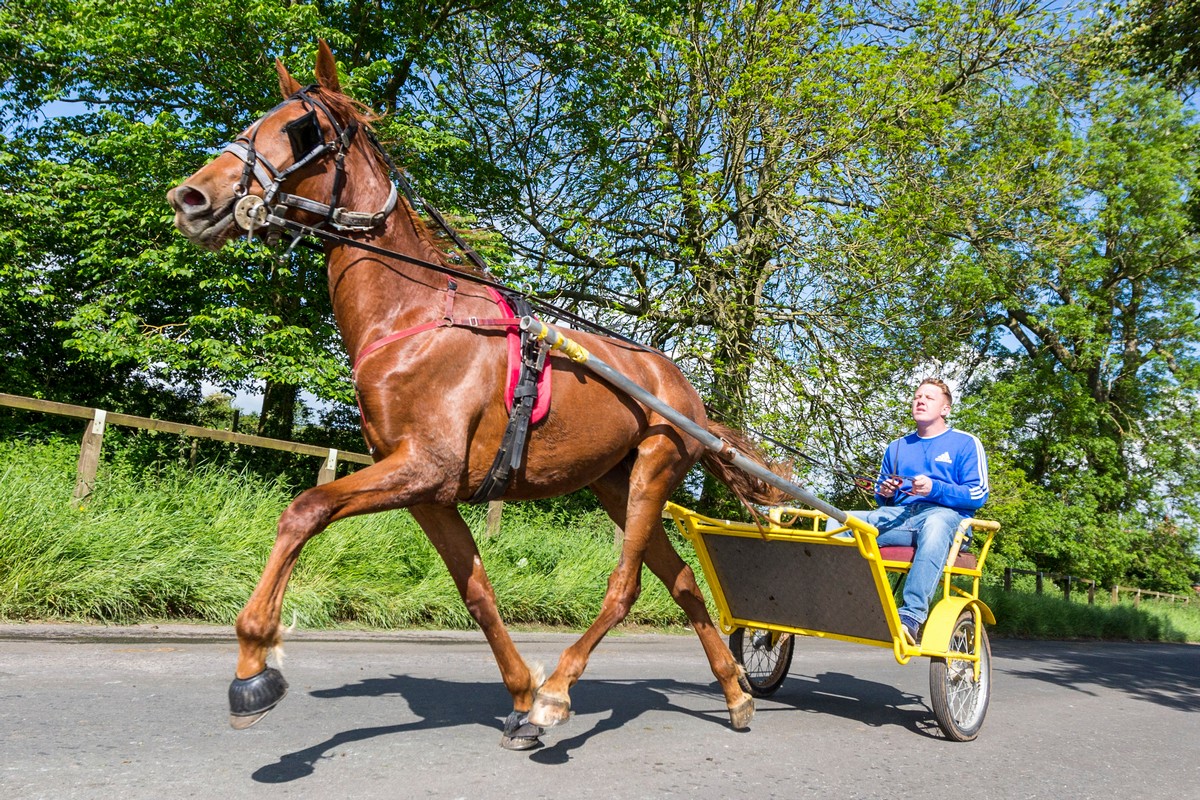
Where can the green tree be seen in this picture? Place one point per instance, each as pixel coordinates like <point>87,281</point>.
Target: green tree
<point>750,191</point>
<point>159,86</point>
<point>1155,38</point>
<point>1090,293</point>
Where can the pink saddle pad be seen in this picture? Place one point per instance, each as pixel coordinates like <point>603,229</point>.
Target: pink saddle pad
<point>542,406</point>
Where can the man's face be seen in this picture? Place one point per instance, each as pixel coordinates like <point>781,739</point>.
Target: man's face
<point>929,403</point>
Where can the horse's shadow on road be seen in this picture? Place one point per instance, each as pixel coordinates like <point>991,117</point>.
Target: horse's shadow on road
<point>440,704</point>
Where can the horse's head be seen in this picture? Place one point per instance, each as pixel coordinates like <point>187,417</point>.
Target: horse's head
<point>293,153</point>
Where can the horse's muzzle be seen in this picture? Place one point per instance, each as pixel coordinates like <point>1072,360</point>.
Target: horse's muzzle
<point>198,220</point>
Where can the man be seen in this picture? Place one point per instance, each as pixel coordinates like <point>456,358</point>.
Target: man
<point>929,481</point>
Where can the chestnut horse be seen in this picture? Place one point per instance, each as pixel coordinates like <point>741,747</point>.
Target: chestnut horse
<point>432,403</point>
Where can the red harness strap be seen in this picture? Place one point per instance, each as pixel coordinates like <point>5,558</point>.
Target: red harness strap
<point>447,321</point>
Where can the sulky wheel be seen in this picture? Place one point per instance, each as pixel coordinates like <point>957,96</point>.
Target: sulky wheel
<point>766,657</point>
<point>959,700</point>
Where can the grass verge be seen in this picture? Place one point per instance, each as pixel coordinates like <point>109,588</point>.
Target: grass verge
<point>174,543</point>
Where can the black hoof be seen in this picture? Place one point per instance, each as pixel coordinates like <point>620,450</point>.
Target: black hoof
<point>519,734</point>
<point>252,698</point>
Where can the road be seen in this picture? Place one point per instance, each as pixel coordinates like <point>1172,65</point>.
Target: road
<point>140,713</point>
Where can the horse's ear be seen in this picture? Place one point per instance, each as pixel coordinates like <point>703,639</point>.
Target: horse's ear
<point>288,85</point>
<point>326,67</point>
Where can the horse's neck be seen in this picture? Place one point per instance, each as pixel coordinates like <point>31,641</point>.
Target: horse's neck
<point>374,296</point>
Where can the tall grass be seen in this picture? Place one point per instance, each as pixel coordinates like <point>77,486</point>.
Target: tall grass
<point>1042,616</point>
<point>181,544</point>
<point>173,543</point>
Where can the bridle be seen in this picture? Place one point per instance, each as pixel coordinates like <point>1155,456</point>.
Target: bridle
<point>307,138</point>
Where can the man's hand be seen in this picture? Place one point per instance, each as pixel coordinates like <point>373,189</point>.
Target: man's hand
<point>888,487</point>
<point>922,485</point>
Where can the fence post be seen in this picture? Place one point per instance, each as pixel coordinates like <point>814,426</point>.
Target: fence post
<point>495,509</point>
<point>1039,581</point>
<point>1008,579</point>
<point>1067,588</point>
<point>89,457</point>
<point>1091,593</point>
<point>328,467</point>
<point>1116,594</point>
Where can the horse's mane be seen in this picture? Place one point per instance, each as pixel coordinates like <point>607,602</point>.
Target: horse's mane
<point>347,110</point>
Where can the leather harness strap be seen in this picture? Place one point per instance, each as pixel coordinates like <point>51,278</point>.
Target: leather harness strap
<point>446,321</point>
<point>512,445</point>
<point>511,452</point>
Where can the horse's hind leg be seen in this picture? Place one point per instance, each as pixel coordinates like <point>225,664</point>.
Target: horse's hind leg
<point>633,494</point>
<point>677,576</point>
<point>452,539</point>
<point>679,579</point>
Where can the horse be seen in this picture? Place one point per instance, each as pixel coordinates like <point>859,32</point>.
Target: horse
<point>430,386</point>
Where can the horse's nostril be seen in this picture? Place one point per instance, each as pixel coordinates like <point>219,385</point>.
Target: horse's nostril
<point>188,196</point>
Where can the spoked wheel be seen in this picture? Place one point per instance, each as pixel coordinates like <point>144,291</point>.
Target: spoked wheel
<point>765,655</point>
<point>960,700</point>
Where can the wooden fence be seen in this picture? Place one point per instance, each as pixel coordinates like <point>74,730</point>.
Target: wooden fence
<point>99,419</point>
<point>1137,595</point>
<point>1067,580</point>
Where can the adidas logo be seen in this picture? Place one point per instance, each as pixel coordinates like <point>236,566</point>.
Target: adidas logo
<point>944,458</point>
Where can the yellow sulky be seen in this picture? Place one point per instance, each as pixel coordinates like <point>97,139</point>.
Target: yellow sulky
<point>799,574</point>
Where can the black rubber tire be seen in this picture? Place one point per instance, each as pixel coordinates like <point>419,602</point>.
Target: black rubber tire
<point>959,701</point>
<point>766,657</point>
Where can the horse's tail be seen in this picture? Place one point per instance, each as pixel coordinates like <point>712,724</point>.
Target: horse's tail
<point>748,488</point>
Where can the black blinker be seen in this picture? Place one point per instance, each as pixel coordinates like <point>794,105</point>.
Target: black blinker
<point>304,133</point>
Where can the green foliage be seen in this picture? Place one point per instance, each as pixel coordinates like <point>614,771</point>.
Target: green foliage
<point>806,206</point>
<point>189,544</point>
<point>1155,38</point>
<point>1025,615</point>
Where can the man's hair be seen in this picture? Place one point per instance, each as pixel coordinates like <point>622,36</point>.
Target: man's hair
<point>939,384</point>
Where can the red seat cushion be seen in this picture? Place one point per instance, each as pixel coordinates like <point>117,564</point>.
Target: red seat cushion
<point>964,560</point>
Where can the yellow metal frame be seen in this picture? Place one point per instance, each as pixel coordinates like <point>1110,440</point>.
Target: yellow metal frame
<point>810,527</point>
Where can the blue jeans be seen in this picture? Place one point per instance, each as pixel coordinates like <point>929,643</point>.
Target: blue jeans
<point>930,529</point>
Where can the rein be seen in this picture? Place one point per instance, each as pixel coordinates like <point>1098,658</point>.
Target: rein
<point>309,144</point>
<point>301,230</point>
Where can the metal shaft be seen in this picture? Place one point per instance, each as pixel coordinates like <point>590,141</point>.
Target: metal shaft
<point>580,355</point>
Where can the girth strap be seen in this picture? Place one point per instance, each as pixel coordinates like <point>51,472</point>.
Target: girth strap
<point>511,454</point>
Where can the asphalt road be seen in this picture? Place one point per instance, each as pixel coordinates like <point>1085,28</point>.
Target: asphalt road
<point>141,713</point>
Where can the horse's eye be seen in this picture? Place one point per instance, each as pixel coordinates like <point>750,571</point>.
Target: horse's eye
<point>304,134</point>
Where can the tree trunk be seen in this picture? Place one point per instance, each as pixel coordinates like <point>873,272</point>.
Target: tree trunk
<point>278,410</point>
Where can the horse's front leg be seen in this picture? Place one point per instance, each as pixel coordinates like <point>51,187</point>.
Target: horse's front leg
<point>452,539</point>
<point>258,688</point>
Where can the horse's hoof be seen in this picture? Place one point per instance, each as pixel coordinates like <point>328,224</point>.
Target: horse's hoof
<point>252,698</point>
<point>549,711</point>
<point>519,734</point>
<point>741,714</point>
